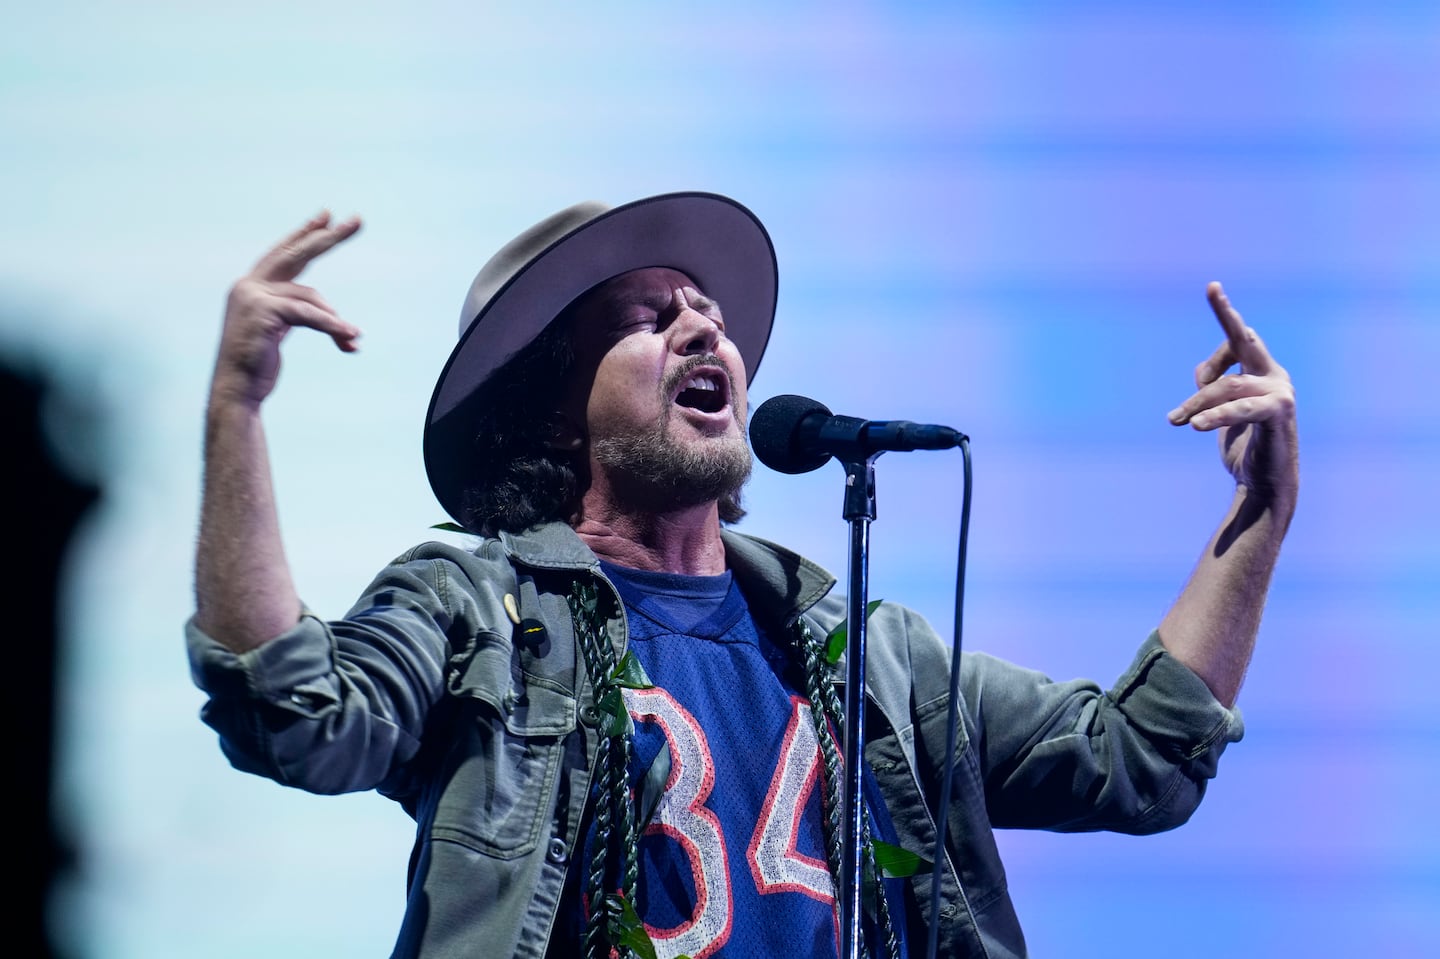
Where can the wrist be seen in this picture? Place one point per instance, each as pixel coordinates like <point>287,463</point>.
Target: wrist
<point>1265,505</point>
<point>233,395</point>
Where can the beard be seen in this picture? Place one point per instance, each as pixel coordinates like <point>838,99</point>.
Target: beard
<point>657,471</point>
<point>651,469</point>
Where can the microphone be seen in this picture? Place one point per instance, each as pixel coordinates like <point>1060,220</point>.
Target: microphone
<point>795,434</point>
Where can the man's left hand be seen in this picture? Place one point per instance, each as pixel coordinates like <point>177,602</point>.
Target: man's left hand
<point>1254,409</point>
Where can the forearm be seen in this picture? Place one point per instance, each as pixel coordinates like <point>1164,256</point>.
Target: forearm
<point>244,593</point>
<point>1212,626</point>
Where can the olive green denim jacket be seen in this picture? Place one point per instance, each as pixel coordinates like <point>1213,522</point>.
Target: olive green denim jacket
<point>484,730</point>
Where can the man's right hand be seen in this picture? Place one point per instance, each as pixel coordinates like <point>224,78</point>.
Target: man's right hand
<point>266,303</point>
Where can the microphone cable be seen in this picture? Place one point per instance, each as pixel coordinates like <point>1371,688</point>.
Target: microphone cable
<point>952,713</point>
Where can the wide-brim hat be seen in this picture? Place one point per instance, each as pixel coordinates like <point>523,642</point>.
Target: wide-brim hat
<point>714,240</point>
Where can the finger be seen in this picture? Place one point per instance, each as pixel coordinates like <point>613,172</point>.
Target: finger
<point>320,219</point>
<point>298,312</point>
<point>307,293</point>
<point>288,258</point>
<point>317,222</point>
<point>1224,390</point>
<point>1243,341</point>
<point>1215,365</point>
<point>1249,409</point>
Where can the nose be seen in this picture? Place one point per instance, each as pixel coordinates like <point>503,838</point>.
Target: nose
<point>694,332</point>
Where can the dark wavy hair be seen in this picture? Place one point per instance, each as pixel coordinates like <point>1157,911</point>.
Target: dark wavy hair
<point>517,478</point>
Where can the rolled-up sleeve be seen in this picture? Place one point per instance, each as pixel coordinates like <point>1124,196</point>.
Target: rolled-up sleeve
<point>1069,756</point>
<point>338,706</point>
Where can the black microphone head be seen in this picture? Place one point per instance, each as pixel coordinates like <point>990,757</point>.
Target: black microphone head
<point>775,433</point>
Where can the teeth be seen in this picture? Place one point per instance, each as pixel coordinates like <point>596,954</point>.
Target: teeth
<point>701,383</point>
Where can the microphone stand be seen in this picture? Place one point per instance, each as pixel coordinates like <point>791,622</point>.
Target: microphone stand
<point>794,434</point>
<point>859,511</point>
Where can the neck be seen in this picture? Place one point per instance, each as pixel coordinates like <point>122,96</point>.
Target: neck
<point>683,540</point>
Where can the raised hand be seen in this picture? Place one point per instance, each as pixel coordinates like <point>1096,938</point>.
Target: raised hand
<point>1254,409</point>
<point>266,303</point>
<point>244,594</point>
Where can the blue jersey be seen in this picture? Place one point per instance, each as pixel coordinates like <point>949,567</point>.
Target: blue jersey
<point>732,861</point>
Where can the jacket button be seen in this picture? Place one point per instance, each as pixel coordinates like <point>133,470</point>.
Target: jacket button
<point>589,715</point>
<point>558,851</point>
<point>949,911</point>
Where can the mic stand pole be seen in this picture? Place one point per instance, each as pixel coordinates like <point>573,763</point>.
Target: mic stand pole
<point>859,511</point>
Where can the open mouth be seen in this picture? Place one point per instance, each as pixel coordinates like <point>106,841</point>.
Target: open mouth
<point>705,390</point>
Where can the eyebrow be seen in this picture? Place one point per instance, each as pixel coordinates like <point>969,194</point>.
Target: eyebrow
<point>658,301</point>
<point>702,302</point>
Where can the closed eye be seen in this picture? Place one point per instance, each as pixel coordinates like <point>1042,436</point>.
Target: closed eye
<point>638,321</point>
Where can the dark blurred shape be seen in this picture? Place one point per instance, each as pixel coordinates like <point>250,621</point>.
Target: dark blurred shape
<point>44,504</point>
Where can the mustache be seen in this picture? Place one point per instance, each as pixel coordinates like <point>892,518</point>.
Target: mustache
<point>682,373</point>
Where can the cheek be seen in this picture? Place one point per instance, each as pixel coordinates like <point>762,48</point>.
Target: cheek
<point>621,391</point>
<point>740,394</point>
<point>740,398</point>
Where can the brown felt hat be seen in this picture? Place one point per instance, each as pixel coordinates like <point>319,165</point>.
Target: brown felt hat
<point>712,239</point>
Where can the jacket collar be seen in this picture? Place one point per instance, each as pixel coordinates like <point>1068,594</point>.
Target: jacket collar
<point>773,577</point>
<point>549,546</point>
<point>776,580</point>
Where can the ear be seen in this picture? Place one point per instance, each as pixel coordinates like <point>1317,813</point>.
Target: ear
<point>563,433</point>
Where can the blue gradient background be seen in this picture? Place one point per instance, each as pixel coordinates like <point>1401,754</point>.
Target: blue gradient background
<point>997,217</point>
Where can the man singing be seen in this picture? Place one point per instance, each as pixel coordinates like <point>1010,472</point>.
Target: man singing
<point>613,720</point>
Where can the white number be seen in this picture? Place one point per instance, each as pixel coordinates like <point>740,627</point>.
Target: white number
<point>681,815</point>
<point>775,862</point>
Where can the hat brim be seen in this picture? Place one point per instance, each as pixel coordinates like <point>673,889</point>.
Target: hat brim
<point>712,239</point>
